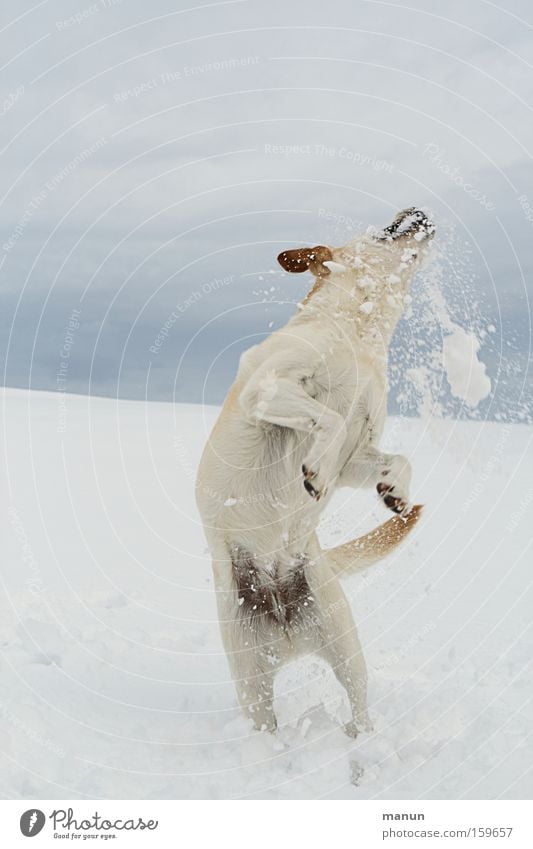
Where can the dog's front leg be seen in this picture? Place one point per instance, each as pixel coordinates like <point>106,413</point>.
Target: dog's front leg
<point>389,473</point>
<point>283,401</point>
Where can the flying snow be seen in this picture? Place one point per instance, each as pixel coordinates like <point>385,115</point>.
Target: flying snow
<point>466,375</point>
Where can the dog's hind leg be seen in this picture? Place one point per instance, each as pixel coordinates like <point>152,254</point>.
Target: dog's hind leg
<point>338,643</point>
<point>252,667</point>
<point>252,663</point>
<point>347,662</point>
<point>254,683</point>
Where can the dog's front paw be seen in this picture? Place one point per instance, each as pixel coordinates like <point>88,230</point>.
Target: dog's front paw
<point>390,497</point>
<point>321,466</point>
<point>312,483</point>
<point>393,486</point>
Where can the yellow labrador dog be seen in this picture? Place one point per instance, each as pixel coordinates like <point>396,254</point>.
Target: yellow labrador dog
<point>304,417</point>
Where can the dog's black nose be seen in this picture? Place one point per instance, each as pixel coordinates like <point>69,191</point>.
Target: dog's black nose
<point>409,222</point>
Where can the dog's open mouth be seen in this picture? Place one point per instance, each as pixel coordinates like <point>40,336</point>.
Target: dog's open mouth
<point>409,222</point>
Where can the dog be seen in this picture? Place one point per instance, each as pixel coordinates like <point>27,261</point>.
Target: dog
<point>303,418</point>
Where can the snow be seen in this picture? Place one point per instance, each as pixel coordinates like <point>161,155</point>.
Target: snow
<point>442,347</point>
<point>115,683</point>
<point>335,266</point>
<point>466,374</point>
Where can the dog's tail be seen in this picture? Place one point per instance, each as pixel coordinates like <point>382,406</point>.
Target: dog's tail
<point>357,554</point>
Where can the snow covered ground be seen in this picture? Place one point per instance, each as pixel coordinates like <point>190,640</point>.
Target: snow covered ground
<point>114,682</point>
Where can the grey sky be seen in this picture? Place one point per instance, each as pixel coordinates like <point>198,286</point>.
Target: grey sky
<point>155,160</point>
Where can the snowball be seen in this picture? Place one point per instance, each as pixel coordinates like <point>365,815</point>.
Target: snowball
<point>466,374</point>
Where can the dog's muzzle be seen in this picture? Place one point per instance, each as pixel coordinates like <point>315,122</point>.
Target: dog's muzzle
<point>409,222</point>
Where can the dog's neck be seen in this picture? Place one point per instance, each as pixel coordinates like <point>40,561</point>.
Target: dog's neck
<point>370,307</point>
<point>370,295</point>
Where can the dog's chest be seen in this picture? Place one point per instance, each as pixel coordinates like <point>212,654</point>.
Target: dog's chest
<point>347,385</point>
<point>357,390</point>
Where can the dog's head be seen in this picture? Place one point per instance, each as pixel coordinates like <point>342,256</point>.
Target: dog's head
<point>396,248</point>
<point>410,223</point>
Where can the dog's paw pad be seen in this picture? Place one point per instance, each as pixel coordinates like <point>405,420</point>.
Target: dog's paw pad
<point>313,490</point>
<point>314,493</point>
<point>393,502</point>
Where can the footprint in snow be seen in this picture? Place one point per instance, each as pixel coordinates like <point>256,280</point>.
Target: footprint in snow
<point>356,773</point>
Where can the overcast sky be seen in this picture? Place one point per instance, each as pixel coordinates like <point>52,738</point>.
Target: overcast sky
<point>154,161</point>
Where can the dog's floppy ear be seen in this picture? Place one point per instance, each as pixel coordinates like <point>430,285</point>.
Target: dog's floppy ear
<point>306,259</point>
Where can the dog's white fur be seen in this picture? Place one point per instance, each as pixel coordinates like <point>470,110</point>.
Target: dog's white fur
<point>312,396</point>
